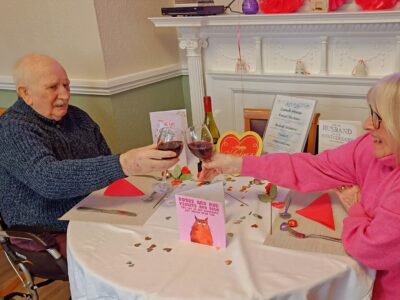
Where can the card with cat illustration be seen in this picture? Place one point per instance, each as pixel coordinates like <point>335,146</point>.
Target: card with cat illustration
<point>201,215</point>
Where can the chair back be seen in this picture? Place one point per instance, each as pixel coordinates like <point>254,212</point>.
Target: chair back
<point>256,119</point>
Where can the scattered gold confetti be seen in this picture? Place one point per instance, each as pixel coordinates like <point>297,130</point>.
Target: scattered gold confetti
<point>228,262</point>
<point>167,218</point>
<point>153,246</point>
<point>137,244</point>
<point>242,218</point>
<point>254,226</point>
<point>149,249</point>
<point>237,222</point>
<point>167,249</point>
<point>230,234</point>
<point>258,216</point>
<point>147,238</point>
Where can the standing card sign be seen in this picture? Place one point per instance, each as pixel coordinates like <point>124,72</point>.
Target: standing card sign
<point>288,125</point>
<point>169,118</point>
<point>201,215</point>
<point>333,133</point>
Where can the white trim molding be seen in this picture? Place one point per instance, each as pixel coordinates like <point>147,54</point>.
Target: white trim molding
<point>108,87</point>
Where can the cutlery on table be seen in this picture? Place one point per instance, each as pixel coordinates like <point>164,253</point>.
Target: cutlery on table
<point>158,178</point>
<point>237,199</point>
<point>301,235</point>
<point>107,211</point>
<point>151,197</point>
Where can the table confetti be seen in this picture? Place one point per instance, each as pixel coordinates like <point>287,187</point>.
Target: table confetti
<point>228,262</point>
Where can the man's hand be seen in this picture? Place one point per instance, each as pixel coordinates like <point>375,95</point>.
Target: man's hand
<point>348,195</point>
<point>146,159</point>
<point>221,164</point>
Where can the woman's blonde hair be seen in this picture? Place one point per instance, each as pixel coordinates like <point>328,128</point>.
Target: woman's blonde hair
<point>384,97</point>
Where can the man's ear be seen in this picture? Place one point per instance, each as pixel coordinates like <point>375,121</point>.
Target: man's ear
<point>23,92</point>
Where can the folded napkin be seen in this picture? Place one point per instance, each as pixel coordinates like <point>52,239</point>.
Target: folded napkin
<point>121,188</point>
<point>320,210</point>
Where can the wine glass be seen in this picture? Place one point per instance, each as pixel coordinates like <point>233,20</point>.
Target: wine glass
<point>169,139</point>
<point>200,141</point>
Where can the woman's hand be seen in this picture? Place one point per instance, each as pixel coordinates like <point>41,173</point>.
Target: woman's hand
<point>348,195</point>
<point>221,164</point>
<point>146,159</point>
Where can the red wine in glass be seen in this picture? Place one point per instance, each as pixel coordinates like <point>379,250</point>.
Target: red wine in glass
<point>200,141</point>
<point>201,149</point>
<point>175,146</point>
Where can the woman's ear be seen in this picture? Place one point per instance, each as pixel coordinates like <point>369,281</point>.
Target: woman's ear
<point>23,92</point>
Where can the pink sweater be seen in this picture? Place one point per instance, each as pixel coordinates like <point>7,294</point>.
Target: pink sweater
<point>371,232</point>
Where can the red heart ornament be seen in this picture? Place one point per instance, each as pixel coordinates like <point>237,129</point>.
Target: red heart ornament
<point>248,143</point>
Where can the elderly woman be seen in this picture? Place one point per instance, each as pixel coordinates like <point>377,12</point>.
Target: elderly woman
<point>369,165</point>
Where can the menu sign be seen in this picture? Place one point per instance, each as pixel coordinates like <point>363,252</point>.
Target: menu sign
<point>288,125</point>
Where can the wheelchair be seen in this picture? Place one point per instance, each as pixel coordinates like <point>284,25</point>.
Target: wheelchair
<point>48,264</point>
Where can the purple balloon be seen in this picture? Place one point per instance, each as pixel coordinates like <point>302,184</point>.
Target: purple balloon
<point>250,7</point>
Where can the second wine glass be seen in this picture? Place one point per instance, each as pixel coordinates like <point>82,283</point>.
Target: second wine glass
<point>200,141</point>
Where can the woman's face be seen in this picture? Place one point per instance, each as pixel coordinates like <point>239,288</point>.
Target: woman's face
<point>382,141</point>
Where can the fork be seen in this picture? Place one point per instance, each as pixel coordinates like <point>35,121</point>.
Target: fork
<point>301,235</point>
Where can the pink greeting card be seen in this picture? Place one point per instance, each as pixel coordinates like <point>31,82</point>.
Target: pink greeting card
<point>201,215</point>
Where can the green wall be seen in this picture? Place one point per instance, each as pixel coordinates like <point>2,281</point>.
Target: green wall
<point>124,117</point>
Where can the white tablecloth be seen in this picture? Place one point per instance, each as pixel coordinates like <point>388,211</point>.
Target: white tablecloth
<point>113,262</point>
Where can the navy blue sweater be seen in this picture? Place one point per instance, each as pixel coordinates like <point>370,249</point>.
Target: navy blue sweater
<point>47,166</point>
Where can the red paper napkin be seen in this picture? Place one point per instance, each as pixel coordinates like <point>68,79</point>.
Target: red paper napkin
<point>320,210</point>
<point>122,187</point>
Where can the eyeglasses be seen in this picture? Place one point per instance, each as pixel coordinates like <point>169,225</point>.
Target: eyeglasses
<point>376,119</point>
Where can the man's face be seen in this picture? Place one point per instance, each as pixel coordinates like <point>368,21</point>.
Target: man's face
<point>48,92</point>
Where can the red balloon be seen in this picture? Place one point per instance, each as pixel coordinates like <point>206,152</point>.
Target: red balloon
<point>279,6</point>
<point>335,4</point>
<point>376,4</point>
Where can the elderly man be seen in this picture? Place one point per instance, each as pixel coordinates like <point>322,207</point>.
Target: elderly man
<point>52,154</point>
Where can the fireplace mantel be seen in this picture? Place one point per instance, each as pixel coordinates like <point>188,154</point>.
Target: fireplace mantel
<point>329,45</point>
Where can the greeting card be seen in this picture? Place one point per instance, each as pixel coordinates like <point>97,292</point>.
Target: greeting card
<point>169,118</point>
<point>201,215</point>
<point>248,143</point>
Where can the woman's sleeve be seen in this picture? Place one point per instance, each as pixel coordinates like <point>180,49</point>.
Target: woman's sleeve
<point>375,242</point>
<point>305,172</point>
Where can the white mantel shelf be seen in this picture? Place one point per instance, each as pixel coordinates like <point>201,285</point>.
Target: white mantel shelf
<point>361,17</point>
<point>329,45</point>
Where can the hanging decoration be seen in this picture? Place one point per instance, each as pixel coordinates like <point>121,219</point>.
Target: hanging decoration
<point>360,69</point>
<point>376,4</point>
<point>300,68</point>
<point>241,65</point>
<point>279,6</point>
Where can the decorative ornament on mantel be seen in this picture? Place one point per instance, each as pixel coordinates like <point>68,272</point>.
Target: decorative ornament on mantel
<point>250,7</point>
<point>360,69</point>
<point>325,5</point>
<point>280,6</point>
<point>376,4</point>
<point>300,68</point>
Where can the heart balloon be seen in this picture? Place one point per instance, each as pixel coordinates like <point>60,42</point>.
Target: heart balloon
<point>279,6</point>
<point>335,4</point>
<point>376,4</point>
<point>248,143</point>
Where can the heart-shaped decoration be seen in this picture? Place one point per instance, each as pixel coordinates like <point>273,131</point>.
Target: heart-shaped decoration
<point>248,143</point>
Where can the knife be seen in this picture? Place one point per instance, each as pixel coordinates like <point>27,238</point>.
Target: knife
<point>108,211</point>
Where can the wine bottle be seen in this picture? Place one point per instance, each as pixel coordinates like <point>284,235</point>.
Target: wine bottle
<point>209,119</point>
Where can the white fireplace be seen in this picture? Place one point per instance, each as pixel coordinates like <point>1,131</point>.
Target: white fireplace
<point>328,44</point>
